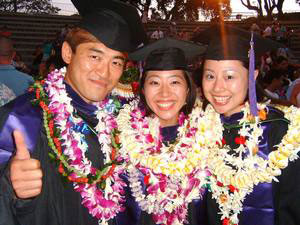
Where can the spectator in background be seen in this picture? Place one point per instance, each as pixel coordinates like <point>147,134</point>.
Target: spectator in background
<point>52,63</point>
<point>293,92</point>
<point>282,63</point>
<point>280,33</point>
<point>273,83</point>
<point>19,64</point>
<point>17,81</point>
<point>157,34</point>
<point>6,94</point>
<point>4,31</point>
<point>38,55</point>
<point>47,49</point>
<point>267,33</point>
<point>255,28</point>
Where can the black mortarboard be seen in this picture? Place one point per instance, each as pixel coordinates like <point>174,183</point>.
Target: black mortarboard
<point>232,43</point>
<point>167,54</point>
<point>114,23</point>
<point>226,42</point>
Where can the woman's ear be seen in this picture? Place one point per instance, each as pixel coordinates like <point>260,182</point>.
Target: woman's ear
<point>66,52</point>
<point>256,74</point>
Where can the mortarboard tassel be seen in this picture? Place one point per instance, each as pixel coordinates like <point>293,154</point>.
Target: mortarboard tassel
<point>252,89</point>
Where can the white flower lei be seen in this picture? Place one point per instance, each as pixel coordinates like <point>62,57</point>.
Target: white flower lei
<point>230,186</point>
<point>105,204</point>
<point>175,173</point>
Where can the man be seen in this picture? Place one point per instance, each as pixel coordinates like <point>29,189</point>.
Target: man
<point>71,125</point>
<point>17,81</point>
<point>157,34</point>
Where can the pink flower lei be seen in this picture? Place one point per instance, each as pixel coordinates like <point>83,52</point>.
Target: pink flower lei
<point>101,190</point>
<point>174,174</point>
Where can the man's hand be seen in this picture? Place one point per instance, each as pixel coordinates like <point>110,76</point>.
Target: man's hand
<point>25,173</point>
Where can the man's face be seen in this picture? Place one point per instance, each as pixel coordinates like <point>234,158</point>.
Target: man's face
<point>93,70</point>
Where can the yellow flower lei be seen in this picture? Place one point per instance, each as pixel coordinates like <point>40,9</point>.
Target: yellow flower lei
<point>164,162</point>
<point>230,186</point>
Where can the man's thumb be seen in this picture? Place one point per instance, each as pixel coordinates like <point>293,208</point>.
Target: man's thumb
<point>21,148</point>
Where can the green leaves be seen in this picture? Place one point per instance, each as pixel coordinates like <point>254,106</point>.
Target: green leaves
<point>129,75</point>
<point>29,6</point>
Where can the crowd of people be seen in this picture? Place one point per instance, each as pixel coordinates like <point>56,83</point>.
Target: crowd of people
<point>209,137</point>
<point>17,76</point>
<point>278,71</point>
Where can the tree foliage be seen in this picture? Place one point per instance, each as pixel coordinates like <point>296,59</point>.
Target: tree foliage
<point>216,9</point>
<point>28,6</point>
<point>187,10</point>
<point>268,5</point>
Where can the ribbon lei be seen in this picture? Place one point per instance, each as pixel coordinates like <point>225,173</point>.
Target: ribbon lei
<point>252,89</point>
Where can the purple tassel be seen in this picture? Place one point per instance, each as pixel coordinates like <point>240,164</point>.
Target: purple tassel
<point>140,65</point>
<point>252,90</point>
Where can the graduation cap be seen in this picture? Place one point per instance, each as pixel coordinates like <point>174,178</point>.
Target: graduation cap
<point>114,23</point>
<point>226,42</point>
<point>167,54</point>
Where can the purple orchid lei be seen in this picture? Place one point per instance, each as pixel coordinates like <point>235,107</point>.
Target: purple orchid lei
<point>102,201</point>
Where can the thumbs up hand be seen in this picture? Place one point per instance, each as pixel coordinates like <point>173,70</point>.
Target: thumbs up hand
<point>25,172</point>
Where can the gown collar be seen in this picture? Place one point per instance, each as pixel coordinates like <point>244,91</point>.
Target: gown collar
<point>234,118</point>
<point>169,133</point>
<point>79,103</point>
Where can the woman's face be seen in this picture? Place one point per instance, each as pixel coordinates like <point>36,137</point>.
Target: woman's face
<point>225,85</point>
<point>165,93</point>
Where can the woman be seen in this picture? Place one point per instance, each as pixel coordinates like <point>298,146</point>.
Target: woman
<point>256,142</point>
<point>157,135</point>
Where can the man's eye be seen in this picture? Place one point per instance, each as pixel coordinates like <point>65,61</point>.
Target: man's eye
<point>119,63</point>
<point>175,82</point>
<point>153,82</point>
<point>95,57</point>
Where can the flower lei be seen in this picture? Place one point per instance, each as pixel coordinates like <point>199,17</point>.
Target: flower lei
<point>173,174</point>
<point>231,184</point>
<point>100,189</point>
<point>128,85</point>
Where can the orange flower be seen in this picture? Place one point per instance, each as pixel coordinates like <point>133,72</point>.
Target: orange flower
<point>255,150</point>
<point>223,198</point>
<point>262,114</point>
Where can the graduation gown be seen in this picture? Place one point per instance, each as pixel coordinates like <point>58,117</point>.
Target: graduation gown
<point>197,213</point>
<point>268,204</point>
<point>58,203</point>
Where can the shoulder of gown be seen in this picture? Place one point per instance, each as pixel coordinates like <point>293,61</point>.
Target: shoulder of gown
<point>20,115</point>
